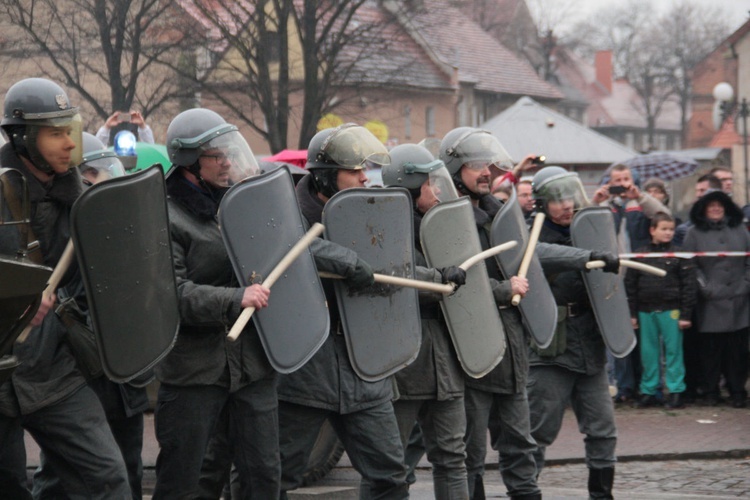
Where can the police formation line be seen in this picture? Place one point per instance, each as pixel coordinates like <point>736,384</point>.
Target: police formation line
<point>164,267</point>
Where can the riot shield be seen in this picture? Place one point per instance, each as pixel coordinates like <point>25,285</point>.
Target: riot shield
<point>448,233</point>
<point>121,236</point>
<point>260,221</point>
<point>538,307</point>
<point>21,285</point>
<point>382,324</point>
<point>592,229</point>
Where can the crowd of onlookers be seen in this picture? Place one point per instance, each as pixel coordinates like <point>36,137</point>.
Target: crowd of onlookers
<point>692,325</point>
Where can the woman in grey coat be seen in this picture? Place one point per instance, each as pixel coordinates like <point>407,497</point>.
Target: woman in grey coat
<point>723,308</point>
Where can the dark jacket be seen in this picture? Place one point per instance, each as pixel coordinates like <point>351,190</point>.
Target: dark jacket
<point>47,373</point>
<point>724,282</point>
<point>637,215</point>
<point>327,380</point>
<point>209,298</point>
<point>648,293</point>
<point>436,373</point>
<point>584,346</point>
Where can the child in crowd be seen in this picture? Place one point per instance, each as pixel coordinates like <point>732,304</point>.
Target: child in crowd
<point>662,308</point>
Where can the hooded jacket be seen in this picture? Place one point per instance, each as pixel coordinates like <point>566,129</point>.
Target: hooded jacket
<point>723,282</point>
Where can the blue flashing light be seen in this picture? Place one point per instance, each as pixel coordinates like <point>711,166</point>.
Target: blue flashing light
<point>124,144</point>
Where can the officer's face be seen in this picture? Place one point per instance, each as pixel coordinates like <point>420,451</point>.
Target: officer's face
<point>215,166</point>
<point>346,179</point>
<point>525,198</point>
<point>427,197</point>
<point>55,144</point>
<point>476,177</point>
<point>561,212</point>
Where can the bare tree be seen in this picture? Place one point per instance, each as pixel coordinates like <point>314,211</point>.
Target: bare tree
<point>260,53</point>
<point>94,44</point>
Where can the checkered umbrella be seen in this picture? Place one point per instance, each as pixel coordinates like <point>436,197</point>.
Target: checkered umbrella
<point>665,166</point>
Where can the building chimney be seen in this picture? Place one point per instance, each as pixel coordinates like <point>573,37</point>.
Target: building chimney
<point>603,63</point>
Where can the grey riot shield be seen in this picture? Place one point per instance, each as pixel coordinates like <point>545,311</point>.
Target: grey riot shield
<point>448,233</point>
<point>260,221</point>
<point>592,229</point>
<point>21,285</point>
<point>538,307</point>
<point>121,237</point>
<point>382,325</point>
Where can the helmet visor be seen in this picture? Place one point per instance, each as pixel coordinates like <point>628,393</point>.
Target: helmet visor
<point>565,188</point>
<point>442,185</point>
<point>101,165</point>
<point>350,146</point>
<point>230,151</point>
<point>480,149</point>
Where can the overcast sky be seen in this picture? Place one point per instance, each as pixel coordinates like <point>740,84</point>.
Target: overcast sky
<point>736,9</point>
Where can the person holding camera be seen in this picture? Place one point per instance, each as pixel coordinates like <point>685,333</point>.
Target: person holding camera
<point>126,120</point>
<point>632,210</point>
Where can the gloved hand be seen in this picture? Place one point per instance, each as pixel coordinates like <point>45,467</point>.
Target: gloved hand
<point>453,274</point>
<point>611,261</point>
<point>361,277</point>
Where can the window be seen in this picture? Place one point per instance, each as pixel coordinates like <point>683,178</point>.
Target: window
<point>429,121</point>
<point>407,122</point>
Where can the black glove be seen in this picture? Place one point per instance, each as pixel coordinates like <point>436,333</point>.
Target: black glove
<point>361,277</point>
<point>611,262</point>
<point>453,274</point>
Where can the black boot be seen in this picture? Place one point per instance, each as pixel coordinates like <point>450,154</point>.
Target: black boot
<point>600,483</point>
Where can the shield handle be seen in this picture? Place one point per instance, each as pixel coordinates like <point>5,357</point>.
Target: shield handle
<point>536,228</point>
<point>299,247</point>
<point>598,264</point>
<point>54,280</point>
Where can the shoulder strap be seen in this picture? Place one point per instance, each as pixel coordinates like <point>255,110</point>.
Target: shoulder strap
<point>31,244</point>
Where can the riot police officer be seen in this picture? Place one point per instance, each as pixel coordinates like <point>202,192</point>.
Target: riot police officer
<point>98,163</point>
<point>327,387</point>
<point>209,384</point>
<point>572,369</point>
<point>431,389</point>
<point>47,394</point>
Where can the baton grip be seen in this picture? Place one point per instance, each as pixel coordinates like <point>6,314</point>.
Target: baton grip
<point>536,228</point>
<point>54,280</point>
<point>399,281</point>
<point>299,247</point>
<point>640,266</point>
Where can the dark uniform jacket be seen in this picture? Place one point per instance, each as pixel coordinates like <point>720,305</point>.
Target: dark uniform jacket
<point>436,373</point>
<point>584,346</point>
<point>650,293</point>
<point>327,380</point>
<point>209,298</point>
<point>48,372</point>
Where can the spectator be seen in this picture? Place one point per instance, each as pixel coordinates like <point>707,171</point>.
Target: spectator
<point>632,210</point>
<point>726,177</point>
<point>501,190</point>
<point>703,184</point>
<point>662,308</point>
<point>124,120</point>
<point>723,307</point>
<point>526,198</point>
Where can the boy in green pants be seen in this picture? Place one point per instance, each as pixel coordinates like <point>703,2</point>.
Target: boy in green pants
<point>661,307</point>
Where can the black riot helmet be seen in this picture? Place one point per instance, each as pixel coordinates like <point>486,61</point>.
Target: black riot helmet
<point>33,103</point>
<point>98,162</point>
<point>411,166</point>
<point>346,147</point>
<point>200,132</point>
<point>555,184</point>
<point>473,148</point>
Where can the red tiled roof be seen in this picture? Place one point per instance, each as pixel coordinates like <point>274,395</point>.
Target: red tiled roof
<point>480,59</point>
<point>727,135</point>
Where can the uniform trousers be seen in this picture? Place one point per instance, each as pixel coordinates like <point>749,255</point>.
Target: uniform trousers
<point>551,389</point>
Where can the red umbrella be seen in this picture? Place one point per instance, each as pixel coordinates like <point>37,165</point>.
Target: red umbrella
<point>296,157</point>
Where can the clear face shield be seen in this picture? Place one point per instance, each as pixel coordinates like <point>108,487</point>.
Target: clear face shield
<point>480,149</point>
<point>100,166</point>
<point>354,147</point>
<point>562,198</point>
<point>438,179</point>
<point>230,152</point>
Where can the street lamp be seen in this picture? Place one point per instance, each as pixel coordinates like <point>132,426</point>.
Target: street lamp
<point>724,93</point>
